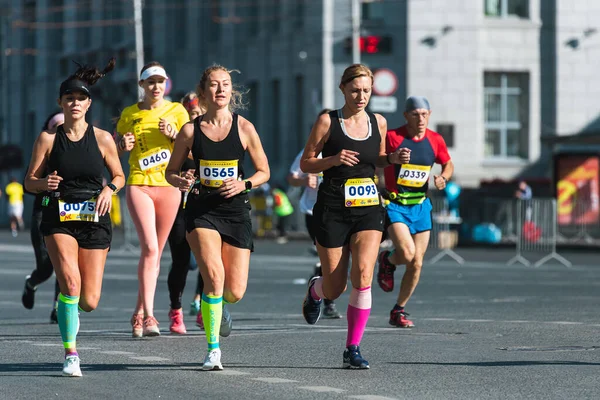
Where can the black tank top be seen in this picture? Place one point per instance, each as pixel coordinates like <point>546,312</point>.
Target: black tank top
<point>331,191</point>
<point>81,166</point>
<point>338,141</point>
<point>80,163</point>
<point>215,162</point>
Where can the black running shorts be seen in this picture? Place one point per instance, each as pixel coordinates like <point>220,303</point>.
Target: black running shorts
<point>235,230</point>
<point>334,226</point>
<point>89,235</point>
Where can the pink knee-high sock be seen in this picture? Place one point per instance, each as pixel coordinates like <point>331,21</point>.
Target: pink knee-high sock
<point>316,291</point>
<point>359,309</point>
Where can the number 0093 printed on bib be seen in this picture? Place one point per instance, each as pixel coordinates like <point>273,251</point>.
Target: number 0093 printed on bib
<point>360,192</point>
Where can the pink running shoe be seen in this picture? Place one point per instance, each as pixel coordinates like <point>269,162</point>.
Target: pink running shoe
<point>151,326</point>
<point>137,325</point>
<point>177,326</point>
<point>199,322</point>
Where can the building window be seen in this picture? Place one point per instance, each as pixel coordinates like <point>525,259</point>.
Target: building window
<point>275,123</point>
<point>299,14</point>
<point>55,14</point>
<point>372,10</point>
<point>83,32</point>
<point>447,133</point>
<point>254,20</point>
<point>506,115</point>
<point>298,111</point>
<point>506,8</point>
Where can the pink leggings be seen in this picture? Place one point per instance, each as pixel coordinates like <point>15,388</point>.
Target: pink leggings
<point>153,210</point>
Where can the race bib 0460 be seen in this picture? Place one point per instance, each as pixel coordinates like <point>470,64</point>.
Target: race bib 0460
<point>155,160</point>
<point>213,173</point>
<point>413,175</point>
<point>84,211</point>
<point>360,193</point>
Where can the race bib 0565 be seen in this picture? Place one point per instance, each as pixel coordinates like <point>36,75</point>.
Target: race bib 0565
<point>213,173</point>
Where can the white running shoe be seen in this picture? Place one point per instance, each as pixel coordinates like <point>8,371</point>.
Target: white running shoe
<point>71,366</point>
<point>213,361</point>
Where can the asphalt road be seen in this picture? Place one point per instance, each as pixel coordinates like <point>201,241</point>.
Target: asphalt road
<point>484,330</point>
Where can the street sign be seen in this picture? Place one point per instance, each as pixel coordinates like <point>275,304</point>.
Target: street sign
<point>387,104</point>
<point>385,82</point>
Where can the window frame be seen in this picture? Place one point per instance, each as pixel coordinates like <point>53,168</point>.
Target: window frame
<point>505,125</point>
<point>504,6</point>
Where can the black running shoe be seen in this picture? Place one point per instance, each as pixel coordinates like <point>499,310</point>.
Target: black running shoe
<point>353,359</point>
<point>311,308</point>
<point>28,297</point>
<point>53,316</point>
<point>226,323</point>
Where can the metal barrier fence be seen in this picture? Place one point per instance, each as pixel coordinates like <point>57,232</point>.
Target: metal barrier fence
<point>536,223</point>
<point>443,237</point>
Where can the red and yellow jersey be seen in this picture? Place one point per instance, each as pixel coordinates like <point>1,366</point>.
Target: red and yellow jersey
<point>414,176</point>
<point>150,155</point>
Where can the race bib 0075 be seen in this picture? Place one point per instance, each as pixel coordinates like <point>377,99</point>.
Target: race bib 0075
<point>213,173</point>
<point>84,211</point>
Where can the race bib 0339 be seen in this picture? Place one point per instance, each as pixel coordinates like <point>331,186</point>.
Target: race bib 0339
<point>213,173</point>
<point>84,211</point>
<point>155,160</point>
<point>413,175</point>
<point>360,193</point>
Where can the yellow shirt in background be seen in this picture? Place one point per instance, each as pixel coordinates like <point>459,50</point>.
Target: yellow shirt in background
<point>14,191</point>
<point>150,155</point>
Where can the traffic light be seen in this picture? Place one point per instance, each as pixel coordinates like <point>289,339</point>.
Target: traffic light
<point>372,44</point>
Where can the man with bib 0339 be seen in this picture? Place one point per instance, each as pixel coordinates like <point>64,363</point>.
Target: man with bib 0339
<point>409,210</point>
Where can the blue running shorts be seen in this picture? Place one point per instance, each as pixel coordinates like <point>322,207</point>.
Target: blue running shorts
<point>417,216</point>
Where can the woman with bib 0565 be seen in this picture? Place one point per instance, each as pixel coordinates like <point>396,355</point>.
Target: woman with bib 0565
<point>347,215</point>
<point>75,208</point>
<point>217,212</point>
<point>148,130</point>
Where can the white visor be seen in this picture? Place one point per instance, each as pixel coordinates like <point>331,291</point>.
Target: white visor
<point>152,71</point>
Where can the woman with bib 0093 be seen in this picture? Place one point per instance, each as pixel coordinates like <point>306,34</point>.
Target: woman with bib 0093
<point>147,130</point>
<point>347,215</point>
<point>217,214</point>
<point>75,208</point>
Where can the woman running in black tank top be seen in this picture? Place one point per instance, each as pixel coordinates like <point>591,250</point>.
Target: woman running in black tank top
<point>348,216</point>
<point>218,211</point>
<point>75,207</point>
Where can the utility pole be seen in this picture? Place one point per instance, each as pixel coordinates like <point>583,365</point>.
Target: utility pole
<point>139,40</point>
<point>355,31</point>
<point>328,70</point>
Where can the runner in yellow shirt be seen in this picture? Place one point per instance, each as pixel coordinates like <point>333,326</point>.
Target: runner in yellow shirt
<point>14,192</point>
<point>147,130</point>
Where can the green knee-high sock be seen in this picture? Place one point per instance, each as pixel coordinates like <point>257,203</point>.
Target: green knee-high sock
<point>212,312</point>
<point>68,318</point>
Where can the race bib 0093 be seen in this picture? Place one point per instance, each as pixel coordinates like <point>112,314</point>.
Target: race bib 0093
<point>213,173</point>
<point>413,175</point>
<point>84,211</point>
<point>360,193</point>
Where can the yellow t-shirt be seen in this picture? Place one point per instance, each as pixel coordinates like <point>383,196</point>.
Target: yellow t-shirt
<point>150,155</point>
<point>14,191</point>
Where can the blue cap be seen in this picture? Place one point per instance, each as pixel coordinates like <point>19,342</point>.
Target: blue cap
<point>416,102</point>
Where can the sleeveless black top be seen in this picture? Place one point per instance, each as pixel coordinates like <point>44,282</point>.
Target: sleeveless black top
<point>81,166</point>
<point>338,141</point>
<point>205,199</point>
<point>331,191</point>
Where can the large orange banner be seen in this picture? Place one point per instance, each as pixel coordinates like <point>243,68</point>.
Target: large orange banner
<point>577,189</point>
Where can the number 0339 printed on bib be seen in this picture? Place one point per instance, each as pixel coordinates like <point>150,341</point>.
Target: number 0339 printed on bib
<point>413,175</point>
<point>213,173</point>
